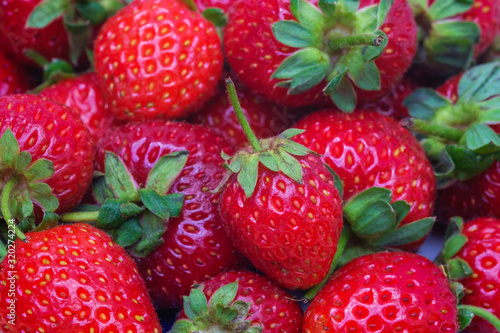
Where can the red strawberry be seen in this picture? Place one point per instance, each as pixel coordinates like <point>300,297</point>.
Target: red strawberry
<point>157,59</point>
<point>83,95</point>
<point>284,215</point>
<point>262,304</point>
<point>266,119</point>
<point>195,246</point>
<point>48,130</point>
<point>384,292</point>
<point>367,149</point>
<point>14,79</point>
<point>254,54</point>
<point>74,278</point>
<point>482,253</point>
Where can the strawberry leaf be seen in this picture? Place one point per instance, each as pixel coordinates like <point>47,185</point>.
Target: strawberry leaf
<point>216,16</point>
<point>155,203</point>
<point>382,10</point>
<point>482,139</point>
<point>23,161</point>
<point>174,202</point>
<point>407,234</point>
<point>308,15</point>
<point>328,7</point>
<point>195,305</point>
<point>465,317</point>
<point>110,216</point>
<point>366,77</point>
<point>401,208</point>
<point>480,83</point>
<point>46,12</point>
<point>182,326</point>
<point>458,269</point>
<point>166,170</point>
<point>344,97</point>
<point>119,180</point>
<point>39,170</point>
<point>423,103</point>
<point>452,246</point>
<point>223,296</point>
<point>153,229</point>
<point>9,149</point>
<point>247,177</point>
<point>293,34</point>
<point>128,233</point>
<point>354,208</point>
<point>376,218</point>
<point>268,160</point>
<point>349,6</point>
<point>41,193</point>
<point>441,9</point>
<point>92,11</point>
<point>49,221</point>
<point>101,190</point>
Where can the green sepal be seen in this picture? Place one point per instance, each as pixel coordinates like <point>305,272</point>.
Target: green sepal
<point>353,209</point>
<point>56,70</point>
<point>481,139</point>
<point>290,133</point>
<point>458,269</point>
<point>480,83</point>
<point>9,149</point>
<point>288,165</point>
<point>128,233</point>
<point>24,208</point>
<point>222,297</point>
<point>92,11</point>
<point>383,9</point>
<point>166,170</point>
<point>182,326</point>
<point>455,225</point>
<point>101,190</point>
<point>491,116</point>
<point>46,12</point>
<point>456,287</point>
<point>216,16</point>
<point>465,317</point>
<point>191,4</point>
<point>247,177</point>
<point>50,220</point>
<point>269,161</point>
<point>339,184</point>
<point>294,34</point>
<point>334,82</point>
<point>23,161</point>
<point>80,35</point>
<point>344,97</point>
<point>27,224</point>
<point>366,77</point>
<point>423,103</point>
<point>41,193</point>
<point>348,6</point>
<point>467,163</point>
<point>308,15</point>
<point>442,9</point>
<point>119,179</point>
<point>154,202</point>
<point>452,246</point>
<point>305,69</point>
<point>401,208</point>
<point>174,202</point>
<point>40,169</point>
<point>372,223</point>
<point>153,229</point>
<point>114,212</point>
<point>355,249</point>
<point>327,7</point>
<point>195,305</point>
<point>407,233</point>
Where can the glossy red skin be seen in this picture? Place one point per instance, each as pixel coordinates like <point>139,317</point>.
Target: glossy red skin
<point>249,42</point>
<point>15,38</point>
<point>361,148</point>
<point>484,13</point>
<point>14,78</point>
<point>222,4</point>
<point>70,276</point>
<point>83,95</point>
<point>288,231</point>
<point>266,119</point>
<point>482,253</point>
<point>50,130</point>
<point>196,245</point>
<point>392,105</point>
<point>157,68</point>
<point>384,292</point>
<point>272,308</point>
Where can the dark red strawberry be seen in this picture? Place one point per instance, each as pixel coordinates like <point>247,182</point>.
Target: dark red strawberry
<point>266,119</point>
<point>157,59</point>
<point>196,245</point>
<point>74,278</point>
<point>14,79</point>
<point>255,54</point>
<point>83,95</point>
<point>260,304</point>
<point>367,149</point>
<point>384,292</point>
<point>53,132</point>
<point>281,208</point>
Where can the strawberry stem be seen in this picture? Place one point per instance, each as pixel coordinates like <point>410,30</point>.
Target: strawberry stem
<point>233,96</point>
<point>6,196</point>
<point>336,43</point>
<point>480,312</point>
<point>344,238</point>
<point>80,217</point>
<point>425,127</point>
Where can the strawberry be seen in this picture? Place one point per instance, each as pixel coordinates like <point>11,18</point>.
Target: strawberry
<point>266,119</point>
<point>260,304</point>
<point>367,149</point>
<point>308,55</point>
<point>282,212</point>
<point>14,79</point>
<point>195,246</point>
<point>224,5</point>
<point>73,278</point>
<point>384,292</point>
<point>453,34</point>
<point>83,95</point>
<point>46,141</point>
<point>478,250</point>
<point>157,59</point>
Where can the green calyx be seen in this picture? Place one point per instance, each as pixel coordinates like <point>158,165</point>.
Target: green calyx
<point>274,153</point>
<point>22,184</point>
<point>79,16</point>
<point>223,314</point>
<point>338,43</point>
<point>445,43</point>
<point>135,217</point>
<point>459,141</point>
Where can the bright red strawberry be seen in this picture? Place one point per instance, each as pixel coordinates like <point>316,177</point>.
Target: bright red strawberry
<point>157,59</point>
<point>265,305</point>
<point>14,79</point>
<point>83,95</point>
<point>48,130</point>
<point>384,292</point>
<point>266,119</point>
<point>367,149</point>
<point>281,208</point>
<point>255,54</point>
<point>73,278</point>
<point>481,252</point>
<point>196,245</point>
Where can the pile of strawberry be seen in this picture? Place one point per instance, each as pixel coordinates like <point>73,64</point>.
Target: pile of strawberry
<point>249,166</point>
